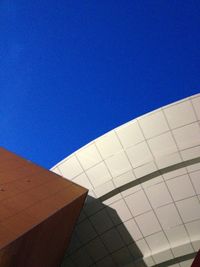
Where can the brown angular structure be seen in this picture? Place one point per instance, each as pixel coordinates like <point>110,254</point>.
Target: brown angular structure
<point>38,210</point>
<point>196,262</point>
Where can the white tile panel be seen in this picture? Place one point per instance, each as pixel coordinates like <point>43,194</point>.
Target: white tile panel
<point>181,187</point>
<point>183,250</point>
<point>189,209</point>
<point>124,178</point>
<point>131,190</point>
<point>139,154</point>
<point>168,216</point>
<point>158,195</point>
<point>187,136</point>
<point>112,199</point>
<point>152,182</point>
<point>157,242</point>
<point>153,124</point>
<point>173,174</point>
<point>104,189</point>
<point>145,169</point>
<point>168,160</point>
<point>121,210</point>
<point>98,174</point>
<point>83,180</point>
<point>70,168</point>
<point>196,105</point>
<point>108,144</point>
<point>193,167</point>
<point>163,256</point>
<point>195,177</point>
<point>177,236</point>
<point>193,229</point>
<point>162,145</point>
<point>118,164</point>
<point>138,203</point>
<point>88,156</point>
<point>180,114</point>
<point>148,223</point>
<point>191,153</point>
<point>130,134</point>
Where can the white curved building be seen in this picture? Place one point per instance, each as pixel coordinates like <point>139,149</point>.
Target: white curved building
<point>143,177</point>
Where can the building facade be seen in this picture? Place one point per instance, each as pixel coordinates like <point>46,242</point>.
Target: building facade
<point>143,206</point>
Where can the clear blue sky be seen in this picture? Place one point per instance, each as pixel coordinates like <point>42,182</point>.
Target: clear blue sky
<point>73,70</point>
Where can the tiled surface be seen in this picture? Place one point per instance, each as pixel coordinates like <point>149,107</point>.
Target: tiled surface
<point>70,168</point>
<point>89,156</point>
<point>138,203</point>
<point>139,154</point>
<point>180,192</point>
<point>154,198</point>
<point>162,145</point>
<point>158,195</point>
<point>196,105</point>
<point>154,124</point>
<point>180,114</point>
<point>108,144</point>
<point>130,134</point>
<point>187,136</point>
<point>177,236</point>
<point>148,223</point>
<point>99,174</point>
<point>195,177</point>
<point>158,242</point>
<point>189,209</point>
<point>168,216</point>
<point>118,164</point>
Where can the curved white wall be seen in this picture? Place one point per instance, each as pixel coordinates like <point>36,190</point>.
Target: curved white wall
<point>148,172</point>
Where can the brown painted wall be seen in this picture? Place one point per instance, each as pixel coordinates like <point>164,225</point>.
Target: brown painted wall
<point>38,210</point>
